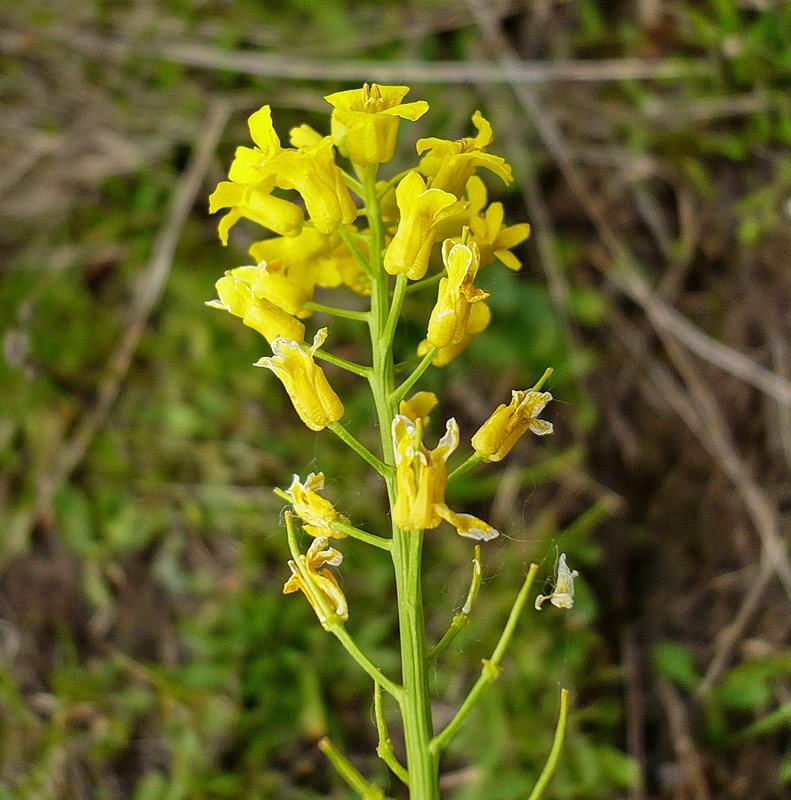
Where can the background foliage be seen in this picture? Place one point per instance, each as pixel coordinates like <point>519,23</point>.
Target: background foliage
<point>145,650</point>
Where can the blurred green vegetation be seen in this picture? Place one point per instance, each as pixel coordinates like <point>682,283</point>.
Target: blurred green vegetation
<point>146,651</point>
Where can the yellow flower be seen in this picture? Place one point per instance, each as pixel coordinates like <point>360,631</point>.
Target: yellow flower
<point>314,399</point>
<point>494,239</point>
<point>422,474</point>
<point>312,171</point>
<point>315,511</point>
<point>321,584</point>
<point>418,407</point>
<point>254,202</point>
<point>563,594</point>
<point>235,294</point>
<point>421,211</point>
<point>478,320</point>
<point>248,192</point>
<point>313,258</point>
<point>456,296</point>
<point>450,164</point>
<point>365,121</point>
<point>495,438</point>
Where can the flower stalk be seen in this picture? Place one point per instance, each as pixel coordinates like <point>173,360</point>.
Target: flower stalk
<point>386,258</point>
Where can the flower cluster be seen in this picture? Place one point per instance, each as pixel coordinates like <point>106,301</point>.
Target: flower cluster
<point>430,228</point>
<point>436,213</point>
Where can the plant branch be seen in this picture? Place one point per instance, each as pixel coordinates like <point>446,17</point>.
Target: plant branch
<point>557,745</point>
<point>349,772</point>
<point>346,236</point>
<point>360,448</point>
<point>430,281</point>
<point>462,619</point>
<point>349,366</point>
<point>333,623</point>
<point>395,309</point>
<point>360,316</point>
<point>465,467</point>
<point>425,362</point>
<point>385,747</point>
<point>491,667</point>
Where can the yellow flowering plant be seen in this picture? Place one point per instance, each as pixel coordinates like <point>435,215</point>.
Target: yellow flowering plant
<point>379,237</point>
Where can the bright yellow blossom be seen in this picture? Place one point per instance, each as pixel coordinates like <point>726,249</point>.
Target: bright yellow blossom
<point>365,121</point>
<point>497,436</point>
<point>421,210</point>
<point>248,192</point>
<point>418,407</point>
<point>478,320</point>
<point>314,399</point>
<point>254,202</point>
<point>563,594</point>
<point>314,258</point>
<point>322,584</point>
<point>312,171</point>
<point>315,511</point>
<point>494,239</point>
<point>235,294</point>
<point>450,164</point>
<point>456,296</point>
<point>422,474</point>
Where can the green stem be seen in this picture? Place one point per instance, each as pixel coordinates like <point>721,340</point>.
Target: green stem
<point>422,284</point>
<point>398,395</point>
<point>385,747</point>
<point>348,239</point>
<point>465,467</point>
<point>462,619</point>
<point>491,666</point>
<point>360,316</point>
<point>333,623</point>
<point>349,366</point>
<point>407,546</point>
<point>395,309</point>
<point>359,448</point>
<point>349,772</point>
<point>557,745</point>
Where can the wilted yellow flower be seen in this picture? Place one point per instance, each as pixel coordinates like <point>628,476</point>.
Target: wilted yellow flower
<point>467,525</point>
<point>495,438</point>
<point>312,171</point>
<point>315,511</point>
<point>247,193</point>
<point>319,556</point>
<point>456,296</point>
<point>422,474</point>
<point>563,594</point>
<point>365,121</point>
<point>314,399</point>
<point>235,294</point>
<point>421,210</point>
<point>450,164</point>
<point>478,320</point>
<point>313,259</point>
<point>494,239</point>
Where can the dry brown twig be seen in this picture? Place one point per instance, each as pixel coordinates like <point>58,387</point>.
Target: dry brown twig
<point>697,408</point>
<point>149,289</point>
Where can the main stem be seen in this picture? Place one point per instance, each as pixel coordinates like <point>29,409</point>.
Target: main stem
<point>407,546</point>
